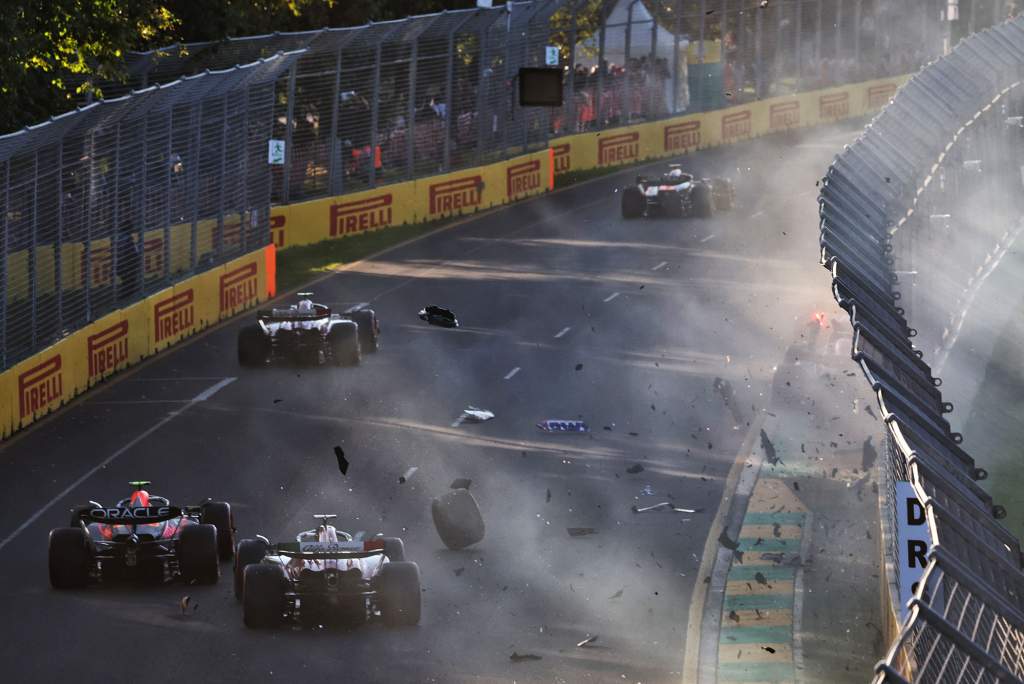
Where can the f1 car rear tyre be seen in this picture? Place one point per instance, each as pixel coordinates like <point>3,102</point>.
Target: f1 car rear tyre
<point>368,330</point>
<point>345,348</point>
<point>70,558</point>
<point>218,514</point>
<point>394,549</point>
<point>198,558</point>
<point>703,202</point>
<point>457,519</point>
<point>398,594</point>
<point>249,552</point>
<point>632,203</point>
<point>723,194</point>
<point>263,596</point>
<point>253,346</point>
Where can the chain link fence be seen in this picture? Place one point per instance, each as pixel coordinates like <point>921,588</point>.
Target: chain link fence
<point>911,215</point>
<point>169,175</point>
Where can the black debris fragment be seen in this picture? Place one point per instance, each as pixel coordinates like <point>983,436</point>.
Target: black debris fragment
<point>870,412</point>
<point>760,578</point>
<point>734,617</point>
<point>868,456</point>
<point>768,648</point>
<point>796,486</point>
<point>342,461</point>
<point>579,366</point>
<point>728,543</point>
<point>407,475</point>
<point>458,571</point>
<point>460,483</point>
<point>278,401</point>
<point>776,530</point>
<point>769,449</point>
<point>617,594</point>
<point>634,469</point>
<point>580,531</point>
<point>547,499</point>
<point>634,434</point>
<point>520,657</point>
<point>586,642</point>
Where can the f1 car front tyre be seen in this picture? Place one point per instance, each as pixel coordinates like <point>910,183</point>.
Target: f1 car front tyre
<point>368,329</point>
<point>198,557</point>
<point>253,346</point>
<point>249,552</point>
<point>218,514</point>
<point>632,203</point>
<point>345,348</point>
<point>70,559</point>
<point>398,594</point>
<point>263,596</point>
<point>394,549</point>
<point>457,519</point>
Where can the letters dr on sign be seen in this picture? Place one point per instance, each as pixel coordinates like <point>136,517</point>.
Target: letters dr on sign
<point>914,541</point>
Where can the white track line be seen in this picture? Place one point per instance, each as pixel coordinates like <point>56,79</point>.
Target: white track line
<point>610,297</point>
<point>660,266</point>
<point>202,396</point>
<point>562,332</point>
<point>706,238</point>
<point>512,373</point>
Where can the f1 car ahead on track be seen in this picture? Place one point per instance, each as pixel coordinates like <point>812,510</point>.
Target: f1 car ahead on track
<point>677,194</point>
<point>438,315</point>
<point>326,577</point>
<point>309,333</point>
<point>142,537</point>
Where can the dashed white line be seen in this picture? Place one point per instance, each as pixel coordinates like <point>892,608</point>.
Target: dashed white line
<point>660,266</point>
<point>512,373</point>
<point>202,396</point>
<point>610,297</point>
<point>563,331</point>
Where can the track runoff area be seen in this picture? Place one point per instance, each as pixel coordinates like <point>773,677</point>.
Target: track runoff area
<point>567,312</point>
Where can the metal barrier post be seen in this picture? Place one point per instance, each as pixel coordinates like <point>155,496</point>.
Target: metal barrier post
<point>32,274</point>
<point>115,232</point>
<point>5,240</point>
<point>799,44</point>
<point>700,56</point>
<point>481,118</point>
<point>446,125</point>
<point>410,115</point>
<point>193,189</point>
<point>598,106</point>
<point>675,55</point>
<point>839,32</point>
<point>168,195</point>
<point>58,253</point>
<point>337,167</point>
<point>289,127</point>
<point>627,83</point>
<point>375,113</point>
<point>817,40</point>
<point>856,30</point>
<point>570,107</point>
<point>218,249</point>
<point>758,56</point>
<point>651,69</point>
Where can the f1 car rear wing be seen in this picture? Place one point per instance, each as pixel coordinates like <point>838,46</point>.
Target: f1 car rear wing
<point>140,515</point>
<point>329,550</point>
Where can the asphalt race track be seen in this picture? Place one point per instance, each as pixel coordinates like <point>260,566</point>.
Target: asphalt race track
<point>653,310</point>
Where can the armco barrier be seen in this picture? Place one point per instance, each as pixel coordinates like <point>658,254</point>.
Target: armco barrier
<point>964,621</point>
<point>482,187</point>
<point>54,376</point>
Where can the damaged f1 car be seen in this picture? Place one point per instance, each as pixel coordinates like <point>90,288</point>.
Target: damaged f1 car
<point>326,577</point>
<point>309,333</point>
<point>438,315</point>
<point>142,537</point>
<point>677,194</point>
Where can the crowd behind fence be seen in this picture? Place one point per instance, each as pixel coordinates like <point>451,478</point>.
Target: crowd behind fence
<point>910,215</point>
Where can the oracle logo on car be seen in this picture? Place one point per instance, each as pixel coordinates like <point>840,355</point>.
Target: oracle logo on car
<point>563,160</point>
<point>522,178</point>
<point>615,149</point>
<point>682,136</point>
<point>834,106</point>
<point>153,256</point>
<point>238,288</point>
<point>879,95</point>
<point>139,512</point>
<point>98,264</point>
<point>174,315</point>
<point>783,115</point>
<point>736,126</point>
<point>107,349</point>
<point>40,386</point>
<point>277,224</point>
<point>361,215</point>
<point>460,193</point>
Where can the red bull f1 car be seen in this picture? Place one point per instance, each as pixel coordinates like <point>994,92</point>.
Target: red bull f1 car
<point>142,537</point>
<point>326,577</point>
<point>309,333</point>
<point>677,194</point>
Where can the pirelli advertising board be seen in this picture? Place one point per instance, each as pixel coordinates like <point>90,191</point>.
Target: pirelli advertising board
<point>40,384</point>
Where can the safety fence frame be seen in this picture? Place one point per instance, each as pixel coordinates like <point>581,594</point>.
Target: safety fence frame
<point>965,622</point>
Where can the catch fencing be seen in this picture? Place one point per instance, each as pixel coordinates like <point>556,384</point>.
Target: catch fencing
<point>911,215</point>
<point>169,175</point>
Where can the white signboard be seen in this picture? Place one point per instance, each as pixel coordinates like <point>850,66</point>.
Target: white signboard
<point>275,152</point>
<point>486,4</point>
<point>914,542</point>
<point>551,55</point>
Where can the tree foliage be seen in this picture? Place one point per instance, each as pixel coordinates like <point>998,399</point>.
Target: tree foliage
<point>55,51</point>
